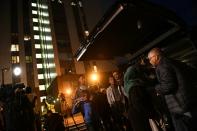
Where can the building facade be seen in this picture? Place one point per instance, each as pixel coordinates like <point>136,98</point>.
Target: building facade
<point>39,39</point>
<point>37,42</point>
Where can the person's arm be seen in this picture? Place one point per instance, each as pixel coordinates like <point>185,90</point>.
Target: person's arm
<point>167,81</point>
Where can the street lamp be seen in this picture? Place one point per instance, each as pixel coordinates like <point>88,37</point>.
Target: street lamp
<point>94,79</point>
<point>17,71</point>
<point>68,91</point>
<point>94,76</point>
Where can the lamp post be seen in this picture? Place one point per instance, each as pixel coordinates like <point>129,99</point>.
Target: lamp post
<point>94,77</point>
<point>16,72</point>
<point>2,74</point>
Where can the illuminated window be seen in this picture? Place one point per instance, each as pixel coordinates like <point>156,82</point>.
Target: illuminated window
<point>33,4</point>
<point>15,59</point>
<point>47,29</point>
<point>35,28</point>
<point>48,38</point>
<point>28,59</point>
<point>39,66</point>
<point>53,75</point>
<point>27,38</point>
<point>37,46</point>
<point>51,65</point>
<point>36,37</point>
<point>41,87</point>
<point>44,6</point>
<point>49,47</point>
<point>44,14</point>
<point>35,20</point>
<point>34,12</point>
<point>40,76</point>
<point>45,21</point>
<point>14,47</point>
<point>38,56</point>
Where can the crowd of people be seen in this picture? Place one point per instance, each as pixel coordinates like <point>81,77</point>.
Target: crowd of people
<point>161,97</point>
<point>17,108</point>
<point>102,108</point>
<point>17,111</point>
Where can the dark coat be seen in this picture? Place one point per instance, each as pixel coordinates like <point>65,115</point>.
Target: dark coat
<point>140,105</point>
<point>176,84</point>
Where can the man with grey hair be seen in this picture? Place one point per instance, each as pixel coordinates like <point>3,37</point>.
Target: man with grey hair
<point>177,86</point>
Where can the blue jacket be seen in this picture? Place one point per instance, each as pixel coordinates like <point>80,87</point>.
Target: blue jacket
<point>85,108</point>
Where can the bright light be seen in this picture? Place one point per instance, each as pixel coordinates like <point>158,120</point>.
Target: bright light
<point>68,91</point>
<point>86,33</point>
<point>27,38</point>
<point>94,77</point>
<point>17,71</point>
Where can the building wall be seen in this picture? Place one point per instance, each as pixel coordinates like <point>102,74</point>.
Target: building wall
<point>62,38</point>
<point>5,39</point>
<point>45,52</point>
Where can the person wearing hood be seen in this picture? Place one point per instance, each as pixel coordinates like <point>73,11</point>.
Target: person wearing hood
<point>139,104</point>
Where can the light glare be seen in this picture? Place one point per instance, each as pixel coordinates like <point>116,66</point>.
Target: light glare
<point>94,77</point>
<point>68,91</point>
<point>17,71</point>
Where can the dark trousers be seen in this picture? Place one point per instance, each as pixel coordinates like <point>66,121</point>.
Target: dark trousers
<point>183,122</point>
<point>138,115</point>
<point>117,115</point>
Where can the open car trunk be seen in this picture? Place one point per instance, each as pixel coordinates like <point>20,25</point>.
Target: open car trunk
<point>130,28</point>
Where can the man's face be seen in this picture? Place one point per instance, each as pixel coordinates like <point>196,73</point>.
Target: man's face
<point>116,75</point>
<point>111,80</point>
<point>82,80</point>
<point>153,59</point>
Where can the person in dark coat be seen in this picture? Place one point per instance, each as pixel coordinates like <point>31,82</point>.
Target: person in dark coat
<point>101,109</point>
<point>18,108</point>
<point>139,100</point>
<point>177,86</point>
<point>54,122</point>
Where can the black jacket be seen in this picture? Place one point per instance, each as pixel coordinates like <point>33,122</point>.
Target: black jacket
<point>176,84</point>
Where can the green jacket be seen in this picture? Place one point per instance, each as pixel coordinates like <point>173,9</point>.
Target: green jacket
<point>132,77</point>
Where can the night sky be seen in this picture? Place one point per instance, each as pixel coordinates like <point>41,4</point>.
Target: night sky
<point>95,9</point>
<point>185,9</point>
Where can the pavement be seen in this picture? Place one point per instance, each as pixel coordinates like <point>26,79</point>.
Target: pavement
<point>76,119</point>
